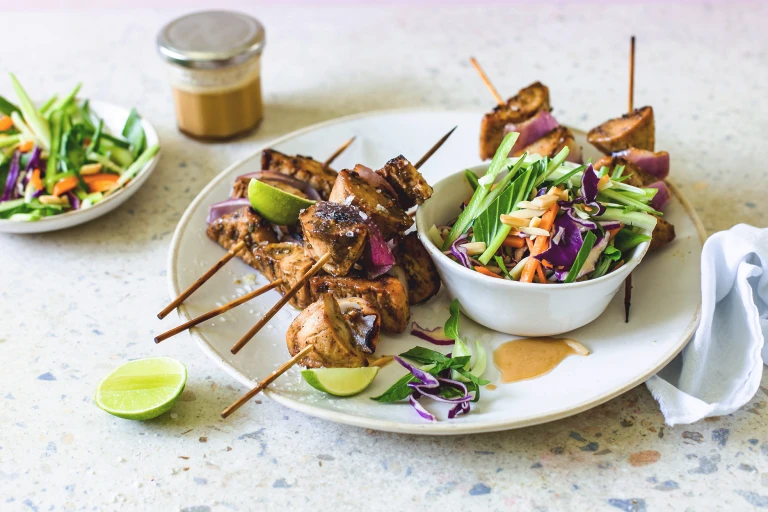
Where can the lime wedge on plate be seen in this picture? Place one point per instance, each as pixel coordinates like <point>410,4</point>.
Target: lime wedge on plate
<point>340,381</point>
<point>275,205</point>
<point>142,389</point>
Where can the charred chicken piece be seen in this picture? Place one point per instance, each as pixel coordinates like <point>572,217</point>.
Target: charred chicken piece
<point>633,130</point>
<point>420,270</point>
<point>243,224</point>
<point>524,105</point>
<point>636,176</point>
<point>240,188</point>
<point>334,228</point>
<point>288,262</point>
<point>387,294</point>
<point>663,233</point>
<point>364,321</point>
<point>411,187</point>
<point>323,326</point>
<point>551,144</point>
<point>379,205</point>
<point>300,167</point>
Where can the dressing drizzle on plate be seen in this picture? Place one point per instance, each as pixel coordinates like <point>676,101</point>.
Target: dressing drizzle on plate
<point>529,358</point>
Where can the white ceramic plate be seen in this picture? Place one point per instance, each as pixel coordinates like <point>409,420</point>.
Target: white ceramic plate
<point>114,118</point>
<point>665,305</point>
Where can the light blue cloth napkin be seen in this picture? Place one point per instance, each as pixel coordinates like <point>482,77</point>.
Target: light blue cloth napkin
<point>720,369</point>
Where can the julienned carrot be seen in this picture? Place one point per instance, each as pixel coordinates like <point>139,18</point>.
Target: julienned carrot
<point>35,180</point>
<point>6,123</point>
<point>102,176</point>
<point>514,242</point>
<point>614,231</point>
<point>542,242</point>
<point>540,275</point>
<point>26,146</point>
<point>64,186</point>
<point>100,186</point>
<point>486,272</point>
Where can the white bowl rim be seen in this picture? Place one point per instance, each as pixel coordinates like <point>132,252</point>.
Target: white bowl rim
<point>624,271</point>
<point>143,173</point>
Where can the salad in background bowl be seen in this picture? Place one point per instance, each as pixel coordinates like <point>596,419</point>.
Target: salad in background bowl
<point>67,161</point>
<point>536,246</point>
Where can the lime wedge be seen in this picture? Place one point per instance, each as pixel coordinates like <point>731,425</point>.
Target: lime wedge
<point>142,389</point>
<point>275,205</point>
<point>340,381</point>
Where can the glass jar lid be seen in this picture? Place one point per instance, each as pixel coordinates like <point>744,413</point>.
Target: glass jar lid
<point>211,39</point>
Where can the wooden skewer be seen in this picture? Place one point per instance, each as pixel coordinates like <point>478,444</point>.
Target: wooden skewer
<point>266,382</point>
<point>338,152</point>
<point>434,148</point>
<point>282,302</point>
<point>487,82</point>
<point>197,284</point>
<point>218,311</point>
<point>628,281</point>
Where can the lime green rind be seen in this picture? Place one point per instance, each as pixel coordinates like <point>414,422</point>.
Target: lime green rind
<point>340,381</point>
<point>275,205</point>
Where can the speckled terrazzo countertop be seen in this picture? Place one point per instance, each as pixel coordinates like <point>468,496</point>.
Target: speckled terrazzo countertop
<point>75,304</point>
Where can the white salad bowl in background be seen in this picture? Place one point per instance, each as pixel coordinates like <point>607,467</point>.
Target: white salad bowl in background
<point>114,119</point>
<point>522,309</point>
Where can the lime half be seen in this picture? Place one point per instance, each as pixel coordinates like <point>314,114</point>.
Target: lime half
<point>142,389</point>
<point>340,381</point>
<point>275,205</point>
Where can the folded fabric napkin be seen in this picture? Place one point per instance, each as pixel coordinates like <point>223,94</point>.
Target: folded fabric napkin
<point>720,369</point>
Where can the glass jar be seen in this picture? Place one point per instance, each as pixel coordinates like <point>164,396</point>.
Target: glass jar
<point>214,63</point>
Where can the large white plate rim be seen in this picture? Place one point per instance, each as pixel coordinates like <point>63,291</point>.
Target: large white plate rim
<point>442,428</point>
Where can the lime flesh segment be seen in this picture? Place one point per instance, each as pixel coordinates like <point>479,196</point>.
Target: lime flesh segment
<point>275,205</point>
<point>340,381</point>
<point>142,389</point>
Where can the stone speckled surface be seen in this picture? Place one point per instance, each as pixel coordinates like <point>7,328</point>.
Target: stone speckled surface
<point>77,303</point>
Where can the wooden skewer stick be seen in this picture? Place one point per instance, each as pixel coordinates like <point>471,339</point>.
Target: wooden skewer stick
<point>434,148</point>
<point>218,311</point>
<point>338,152</point>
<point>628,281</point>
<point>197,284</point>
<point>487,82</point>
<point>282,302</point>
<point>266,382</point>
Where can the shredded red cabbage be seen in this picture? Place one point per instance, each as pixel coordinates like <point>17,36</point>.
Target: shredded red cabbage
<point>10,181</point>
<point>460,252</point>
<point>420,408</point>
<point>563,251</point>
<point>436,336</point>
<point>427,379</point>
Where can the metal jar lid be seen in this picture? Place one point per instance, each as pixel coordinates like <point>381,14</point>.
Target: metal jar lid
<point>211,39</point>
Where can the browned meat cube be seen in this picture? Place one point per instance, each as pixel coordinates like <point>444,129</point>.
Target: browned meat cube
<point>240,188</point>
<point>387,294</point>
<point>420,270</point>
<point>364,320</point>
<point>663,233</point>
<point>551,144</point>
<point>636,176</point>
<point>323,326</point>
<point>410,185</point>
<point>300,167</point>
<point>520,107</point>
<point>288,262</point>
<point>383,209</point>
<point>634,130</point>
<point>334,228</point>
<point>243,224</point>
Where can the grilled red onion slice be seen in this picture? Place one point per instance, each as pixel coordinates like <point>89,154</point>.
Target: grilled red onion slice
<point>656,164</point>
<point>436,335</point>
<point>531,130</point>
<point>305,187</point>
<point>373,178</point>
<point>662,197</point>
<point>218,210</point>
<point>378,254</point>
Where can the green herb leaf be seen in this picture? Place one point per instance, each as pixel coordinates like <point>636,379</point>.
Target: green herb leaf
<point>626,239</point>
<point>452,324</point>
<point>502,266</point>
<point>581,257</point>
<point>471,179</point>
<point>134,133</point>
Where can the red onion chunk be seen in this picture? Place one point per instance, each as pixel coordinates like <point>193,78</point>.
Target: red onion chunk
<point>662,197</point>
<point>379,257</point>
<point>374,179</point>
<point>436,336</point>
<point>218,210</point>
<point>656,164</point>
<point>531,130</point>
<point>305,187</point>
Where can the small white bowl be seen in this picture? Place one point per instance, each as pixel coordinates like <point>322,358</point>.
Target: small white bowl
<point>522,309</point>
<point>114,118</point>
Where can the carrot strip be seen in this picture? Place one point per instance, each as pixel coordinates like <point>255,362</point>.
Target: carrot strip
<point>486,272</point>
<point>513,241</point>
<point>540,275</point>
<point>102,176</point>
<point>542,242</point>
<point>100,186</point>
<point>26,146</point>
<point>35,180</point>
<point>64,186</point>
<point>6,123</point>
